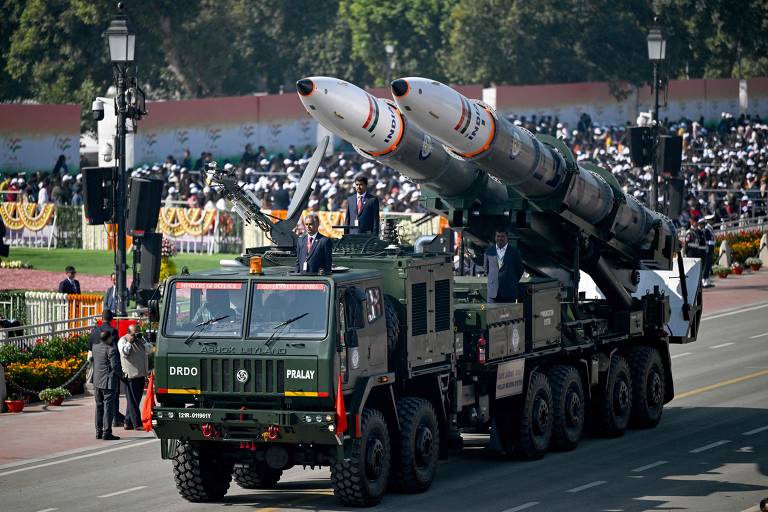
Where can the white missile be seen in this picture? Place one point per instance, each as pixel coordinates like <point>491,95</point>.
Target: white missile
<point>472,131</point>
<point>378,130</point>
<point>369,123</point>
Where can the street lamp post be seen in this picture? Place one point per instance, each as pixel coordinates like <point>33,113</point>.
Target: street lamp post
<point>657,48</point>
<point>121,51</point>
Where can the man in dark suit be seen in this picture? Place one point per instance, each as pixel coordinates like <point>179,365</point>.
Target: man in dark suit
<point>110,298</point>
<point>70,284</point>
<point>313,250</point>
<point>106,381</point>
<point>504,268</point>
<point>362,210</point>
<point>94,339</point>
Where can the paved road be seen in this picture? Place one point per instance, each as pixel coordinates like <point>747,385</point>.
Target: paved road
<point>710,453</point>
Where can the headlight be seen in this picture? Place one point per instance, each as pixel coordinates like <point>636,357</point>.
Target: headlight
<point>331,428</point>
<point>318,418</point>
<point>328,418</point>
<point>308,418</point>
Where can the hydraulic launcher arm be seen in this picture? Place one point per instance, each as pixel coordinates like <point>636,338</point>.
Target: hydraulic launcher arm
<point>248,207</point>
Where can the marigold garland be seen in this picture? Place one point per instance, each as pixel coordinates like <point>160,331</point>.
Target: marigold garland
<point>18,216</point>
<point>186,221</point>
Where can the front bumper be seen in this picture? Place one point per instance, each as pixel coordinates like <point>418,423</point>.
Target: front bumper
<point>235,425</point>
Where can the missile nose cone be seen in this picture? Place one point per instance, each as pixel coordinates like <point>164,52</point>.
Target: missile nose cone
<point>400,87</point>
<point>305,86</point>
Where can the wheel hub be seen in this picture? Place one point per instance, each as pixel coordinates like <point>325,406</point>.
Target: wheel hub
<point>424,444</point>
<point>572,408</point>
<point>374,459</point>
<point>540,416</point>
<point>655,390</point>
<point>622,396</point>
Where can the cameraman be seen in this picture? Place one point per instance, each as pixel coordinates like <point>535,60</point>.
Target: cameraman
<point>134,357</point>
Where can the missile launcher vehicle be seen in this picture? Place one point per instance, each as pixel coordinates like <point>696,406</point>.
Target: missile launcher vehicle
<point>378,368</point>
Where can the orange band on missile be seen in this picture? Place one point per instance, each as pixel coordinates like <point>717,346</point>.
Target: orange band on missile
<point>399,136</point>
<point>487,142</point>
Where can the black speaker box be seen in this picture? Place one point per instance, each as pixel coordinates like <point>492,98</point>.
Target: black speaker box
<point>641,145</point>
<point>149,272</point>
<point>670,155</point>
<point>143,206</point>
<point>98,194</point>
<point>675,190</point>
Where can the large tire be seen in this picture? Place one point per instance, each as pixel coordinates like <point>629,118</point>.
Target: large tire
<point>648,386</point>
<point>613,406</point>
<point>535,428</point>
<point>362,480</point>
<point>567,407</point>
<point>415,456</point>
<point>256,475</point>
<point>198,474</point>
<point>393,324</point>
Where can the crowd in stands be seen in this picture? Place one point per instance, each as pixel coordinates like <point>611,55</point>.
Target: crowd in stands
<point>725,167</point>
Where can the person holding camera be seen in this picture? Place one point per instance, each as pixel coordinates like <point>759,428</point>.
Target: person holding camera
<point>134,357</point>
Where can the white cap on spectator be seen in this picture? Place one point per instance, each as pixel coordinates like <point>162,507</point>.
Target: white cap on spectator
<point>349,173</point>
<point>79,176</point>
<point>313,202</point>
<point>228,166</point>
<point>264,161</point>
<point>155,167</point>
<point>380,185</point>
<point>287,161</point>
<point>334,174</point>
<point>332,191</point>
<point>134,174</point>
<point>174,167</point>
<point>172,190</point>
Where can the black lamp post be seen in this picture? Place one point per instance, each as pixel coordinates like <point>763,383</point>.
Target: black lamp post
<point>657,48</point>
<point>122,43</point>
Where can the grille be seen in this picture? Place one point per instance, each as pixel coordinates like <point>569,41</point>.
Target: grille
<point>442,305</point>
<point>220,375</point>
<point>418,309</point>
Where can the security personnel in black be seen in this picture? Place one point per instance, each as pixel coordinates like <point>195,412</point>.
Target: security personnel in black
<point>692,246</point>
<point>707,243</point>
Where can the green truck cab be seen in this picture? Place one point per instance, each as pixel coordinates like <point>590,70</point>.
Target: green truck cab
<point>249,369</point>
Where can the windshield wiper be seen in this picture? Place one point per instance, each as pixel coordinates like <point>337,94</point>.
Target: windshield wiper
<point>201,327</point>
<point>279,327</point>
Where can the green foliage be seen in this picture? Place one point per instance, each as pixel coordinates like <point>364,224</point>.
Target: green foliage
<point>54,50</point>
<point>55,349</point>
<point>50,394</point>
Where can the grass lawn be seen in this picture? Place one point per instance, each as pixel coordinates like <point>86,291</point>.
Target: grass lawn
<point>102,262</point>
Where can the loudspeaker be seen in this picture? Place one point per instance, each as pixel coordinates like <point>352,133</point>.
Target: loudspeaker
<point>149,272</point>
<point>675,190</point>
<point>98,193</point>
<point>143,206</point>
<point>670,155</point>
<point>641,145</point>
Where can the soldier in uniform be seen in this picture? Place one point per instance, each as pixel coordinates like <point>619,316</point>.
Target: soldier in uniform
<point>691,244</point>
<point>707,247</point>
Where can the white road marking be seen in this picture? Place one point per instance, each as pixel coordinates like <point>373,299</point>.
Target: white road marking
<point>710,446</point>
<point>124,491</point>
<point>745,310</point>
<point>649,466</point>
<point>758,336</point>
<point>522,507</point>
<point>755,431</point>
<point>722,345</point>
<point>587,486</point>
<point>85,456</point>
<point>681,355</point>
<point>48,510</point>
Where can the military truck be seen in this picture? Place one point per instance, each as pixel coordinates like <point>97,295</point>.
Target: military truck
<point>378,368</point>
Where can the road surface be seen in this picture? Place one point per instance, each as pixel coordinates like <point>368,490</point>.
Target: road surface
<point>710,453</point>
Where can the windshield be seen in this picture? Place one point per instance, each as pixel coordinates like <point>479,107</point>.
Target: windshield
<point>192,303</point>
<point>274,304</point>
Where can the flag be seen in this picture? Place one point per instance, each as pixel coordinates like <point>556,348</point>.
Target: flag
<point>149,403</point>
<point>341,412</point>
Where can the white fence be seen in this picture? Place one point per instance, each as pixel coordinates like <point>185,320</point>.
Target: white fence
<point>43,307</point>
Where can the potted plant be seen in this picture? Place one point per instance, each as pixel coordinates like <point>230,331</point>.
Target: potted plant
<point>754,263</point>
<point>737,268</point>
<point>54,396</point>
<point>721,271</point>
<point>15,403</point>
